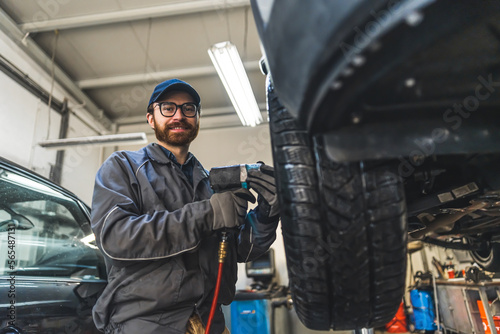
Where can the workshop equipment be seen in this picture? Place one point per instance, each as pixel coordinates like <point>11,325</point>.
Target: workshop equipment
<point>398,324</point>
<point>469,307</point>
<point>423,309</point>
<point>259,309</point>
<point>231,177</point>
<point>484,318</point>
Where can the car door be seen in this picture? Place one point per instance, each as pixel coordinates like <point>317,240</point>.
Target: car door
<point>51,272</point>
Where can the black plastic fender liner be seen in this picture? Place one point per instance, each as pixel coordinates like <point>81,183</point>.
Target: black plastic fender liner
<point>426,137</point>
<point>295,37</point>
<point>309,43</point>
<point>344,231</point>
<point>339,63</point>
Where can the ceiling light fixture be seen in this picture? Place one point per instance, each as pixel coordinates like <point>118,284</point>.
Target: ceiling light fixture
<point>106,140</point>
<point>230,68</point>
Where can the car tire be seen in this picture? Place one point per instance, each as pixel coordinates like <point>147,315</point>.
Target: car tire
<point>488,257</point>
<point>344,231</point>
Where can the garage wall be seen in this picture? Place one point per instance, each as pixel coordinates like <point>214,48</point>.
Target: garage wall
<point>25,121</point>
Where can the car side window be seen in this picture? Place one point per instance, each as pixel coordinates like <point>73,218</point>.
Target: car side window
<point>45,232</point>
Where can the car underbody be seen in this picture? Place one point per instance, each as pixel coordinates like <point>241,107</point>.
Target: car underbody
<point>385,129</point>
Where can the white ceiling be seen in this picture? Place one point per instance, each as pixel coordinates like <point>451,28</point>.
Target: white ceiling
<point>112,53</point>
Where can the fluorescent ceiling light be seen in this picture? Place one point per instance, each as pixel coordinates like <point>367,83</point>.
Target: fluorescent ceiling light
<point>230,68</point>
<point>106,140</point>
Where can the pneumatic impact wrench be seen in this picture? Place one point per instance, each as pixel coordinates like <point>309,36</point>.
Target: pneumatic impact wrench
<point>231,177</point>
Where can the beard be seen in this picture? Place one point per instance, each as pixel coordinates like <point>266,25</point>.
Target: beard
<point>176,139</point>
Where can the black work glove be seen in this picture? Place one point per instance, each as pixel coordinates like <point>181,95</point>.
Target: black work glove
<point>230,208</point>
<point>263,182</point>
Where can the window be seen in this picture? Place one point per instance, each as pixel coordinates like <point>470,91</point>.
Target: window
<point>47,231</point>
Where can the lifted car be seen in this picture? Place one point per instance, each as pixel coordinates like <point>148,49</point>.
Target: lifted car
<point>385,126</point>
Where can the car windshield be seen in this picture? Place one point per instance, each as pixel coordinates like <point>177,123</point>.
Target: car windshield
<point>44,232</point>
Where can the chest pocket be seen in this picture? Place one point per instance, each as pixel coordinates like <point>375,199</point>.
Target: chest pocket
<point>164,187</point>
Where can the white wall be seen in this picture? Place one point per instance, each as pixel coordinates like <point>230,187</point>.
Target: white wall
<point>25,121</point>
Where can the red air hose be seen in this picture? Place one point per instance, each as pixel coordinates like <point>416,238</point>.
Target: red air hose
<point>214,301</point>
<point>222,257</point>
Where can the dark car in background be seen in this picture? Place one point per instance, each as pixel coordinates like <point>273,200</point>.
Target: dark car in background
<point>51,272</point>
<point>385,126</point>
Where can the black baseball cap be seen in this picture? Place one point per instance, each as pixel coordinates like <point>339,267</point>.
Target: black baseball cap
<point>173,84</point>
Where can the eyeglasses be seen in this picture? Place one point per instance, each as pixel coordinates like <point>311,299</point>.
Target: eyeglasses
<point>168,109</point>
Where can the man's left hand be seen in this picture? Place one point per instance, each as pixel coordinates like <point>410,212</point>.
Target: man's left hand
<point>263,182</point>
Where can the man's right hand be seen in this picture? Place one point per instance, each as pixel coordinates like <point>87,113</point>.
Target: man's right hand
<point>230,208</point>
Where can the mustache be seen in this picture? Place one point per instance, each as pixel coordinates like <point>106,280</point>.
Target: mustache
<point>182,123</point>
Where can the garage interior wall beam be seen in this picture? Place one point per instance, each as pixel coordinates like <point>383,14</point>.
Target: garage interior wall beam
<point>131,79</point>
<point>56,170</point>
<point>31,86</point>
<point>180,8</point>
<point>9,27</point>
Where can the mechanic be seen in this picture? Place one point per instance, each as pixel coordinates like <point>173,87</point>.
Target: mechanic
<point>158,223</point>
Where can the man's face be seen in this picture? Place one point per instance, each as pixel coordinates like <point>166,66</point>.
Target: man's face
<point>177,130</point>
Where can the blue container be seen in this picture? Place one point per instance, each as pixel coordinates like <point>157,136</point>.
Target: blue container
<point>250,316</point>
<point>423,310</point>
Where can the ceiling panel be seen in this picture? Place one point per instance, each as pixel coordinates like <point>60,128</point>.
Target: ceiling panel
<point>109,50</point>
<point>34,10</point>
